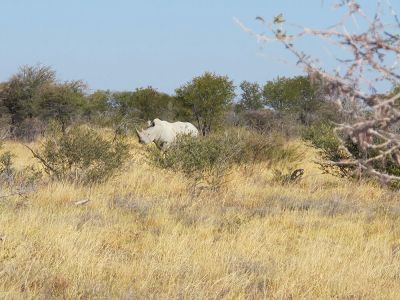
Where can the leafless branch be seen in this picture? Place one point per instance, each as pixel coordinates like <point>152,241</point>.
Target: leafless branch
<point>373,57</point>
<point>41,159</point>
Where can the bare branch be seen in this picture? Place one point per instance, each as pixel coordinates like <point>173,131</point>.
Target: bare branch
<point>373,58</point>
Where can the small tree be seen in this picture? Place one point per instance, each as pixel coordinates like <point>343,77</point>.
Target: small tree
<point>208,96</point>
<point>98,102</point>
<point>251,97</point>
<point>147,104</point>
<point>18,92</point>
<point>59,101</point>
<point>151,103</point>
<point>295,95</point>
<point>81,155</point>
<point>147,101</point>
<point>124,103</point>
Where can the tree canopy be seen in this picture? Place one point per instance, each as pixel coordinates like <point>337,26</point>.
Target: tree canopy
<point>208,96</point>
<point>17,93</point>
<point>251,97</point>
<point>296,95</point>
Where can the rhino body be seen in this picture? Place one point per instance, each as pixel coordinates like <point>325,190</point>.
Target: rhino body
<point>164,133</point>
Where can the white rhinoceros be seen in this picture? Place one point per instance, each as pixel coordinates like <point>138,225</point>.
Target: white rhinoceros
<point>164,133</point>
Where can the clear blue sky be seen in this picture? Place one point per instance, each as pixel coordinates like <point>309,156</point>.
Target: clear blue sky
<point>124,44</point>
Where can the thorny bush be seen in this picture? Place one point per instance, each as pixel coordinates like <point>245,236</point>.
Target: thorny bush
<point>81,155</point>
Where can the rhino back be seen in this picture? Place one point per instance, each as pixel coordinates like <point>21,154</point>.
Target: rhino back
<point>185,128</point>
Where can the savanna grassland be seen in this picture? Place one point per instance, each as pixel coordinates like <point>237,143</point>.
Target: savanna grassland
<point>146,234</point>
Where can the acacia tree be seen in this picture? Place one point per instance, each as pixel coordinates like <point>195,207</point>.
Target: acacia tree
<point>60,102</point>
<point>208,96</point>
<point>372,55</point>
<point>18,92</point>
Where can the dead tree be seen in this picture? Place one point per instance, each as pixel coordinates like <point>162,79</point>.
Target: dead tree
<point>372,47</point>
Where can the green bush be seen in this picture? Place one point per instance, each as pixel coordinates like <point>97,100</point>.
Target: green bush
<point>192,155</point>
<point>323,138</point>
<point>212,156</point>
<point>81,155</point>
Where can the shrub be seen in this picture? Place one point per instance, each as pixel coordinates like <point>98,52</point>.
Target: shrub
<point>192,155</point>
<point>81,155</point>
<point>209,158</point>
<point>255,147</point>
<point>324,139</point>
<point>201,159</point>
<point>267,120</point>
<point>6,163</point>
<point>7,170</point>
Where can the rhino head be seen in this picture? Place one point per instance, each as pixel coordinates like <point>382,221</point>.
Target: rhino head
<point>144,137</point>
<point>153,133</point>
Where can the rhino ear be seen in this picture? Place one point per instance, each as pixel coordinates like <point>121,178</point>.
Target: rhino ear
<point>149,123</point>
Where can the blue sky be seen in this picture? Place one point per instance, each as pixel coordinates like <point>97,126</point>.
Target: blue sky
<point>125,44</point>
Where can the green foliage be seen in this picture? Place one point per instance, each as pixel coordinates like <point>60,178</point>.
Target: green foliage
<point>323,138</point>
<point>81,155</point>
<point>33,96</point>
<point>296,95</point>
<point>124,102</point>
<point>17,93</point>
<point>192,155</point>
<point>212,156</point>
<point>208,96</point>
<point>97,104</point>
<point>148,104</point>
<point>60,102</point>
<point>251,97</point>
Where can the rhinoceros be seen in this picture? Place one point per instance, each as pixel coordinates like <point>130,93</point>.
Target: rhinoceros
<point>164,133</point>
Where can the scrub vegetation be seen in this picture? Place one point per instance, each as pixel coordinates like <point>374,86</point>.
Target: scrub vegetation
<point>290,191</point>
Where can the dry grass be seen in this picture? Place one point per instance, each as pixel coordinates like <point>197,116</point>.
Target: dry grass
<point>144,235</point>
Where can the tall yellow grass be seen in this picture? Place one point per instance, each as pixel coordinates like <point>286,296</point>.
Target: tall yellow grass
<point>144,234</point>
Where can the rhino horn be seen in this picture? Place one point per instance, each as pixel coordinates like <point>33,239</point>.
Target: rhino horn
<point>138,133</point>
